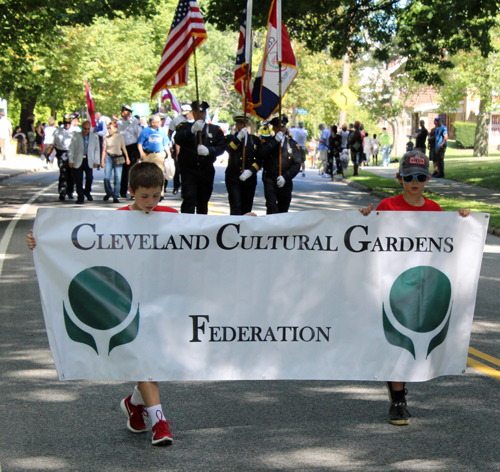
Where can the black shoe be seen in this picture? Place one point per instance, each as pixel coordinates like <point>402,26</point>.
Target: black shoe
<point>175,191</point>
<point>105,198</point>
<point>399,414</point>
<point>62,198</point>
<point>123,195</point>
<point>70,196</point>
<point>115,200</point>
<point>79,201</point>
<point>439,176</point>
<point>89,197</point>
<point>435,174</point>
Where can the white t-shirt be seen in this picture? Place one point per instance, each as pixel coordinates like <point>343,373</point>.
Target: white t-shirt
<point>49,134</point>
<point>5,128</point>
<point>300,136</point>
<point>345,138</point>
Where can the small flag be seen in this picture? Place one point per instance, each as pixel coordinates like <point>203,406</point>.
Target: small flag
<point>265,94</point>
<point>90,104</point>
<point>166,94</point>
<point>215,118</point>
<point>244,55</point>
<point>174,64</point>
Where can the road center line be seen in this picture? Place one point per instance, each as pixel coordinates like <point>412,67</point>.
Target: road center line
<point>4,243</point>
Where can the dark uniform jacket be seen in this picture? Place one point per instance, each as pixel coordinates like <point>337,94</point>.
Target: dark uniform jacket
<point>253,159</point>
<point>189,160</point>
<point>290,159</point>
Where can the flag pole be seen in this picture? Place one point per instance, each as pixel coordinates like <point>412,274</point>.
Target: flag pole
<point>196,80</point>
<point>278,34</point>
<point>248,60</point>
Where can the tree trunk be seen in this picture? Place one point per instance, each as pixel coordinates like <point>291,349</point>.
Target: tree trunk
<point>27,109</point>
<point>53,112</point>
<point>481,140</point>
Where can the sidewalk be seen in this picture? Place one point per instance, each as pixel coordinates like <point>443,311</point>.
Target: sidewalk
<point>20,164</point>
<point>447,188</point>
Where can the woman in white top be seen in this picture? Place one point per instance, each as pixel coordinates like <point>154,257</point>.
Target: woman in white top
<point>114,155</point>
<point>48,142</point>
<point>375,142</point>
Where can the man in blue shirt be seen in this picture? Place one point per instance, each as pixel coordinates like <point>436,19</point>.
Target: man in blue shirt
<point>153,144</point>
<point>441,144</point>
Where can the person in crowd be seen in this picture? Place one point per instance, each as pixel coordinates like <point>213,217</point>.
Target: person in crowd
<point>420,137</point>
<point>146,182</point>
<point>130,128</point>
<point>344,134</point>
<point>75,123</point>
<point>20,137</point>
<point>413,175</point>
<point>5,133</point>
<point>48,141</point>
<point>299,135</point>
<point>83,157</point>
<point>385,143</point>
<point>441,133</point>
<point>374,148</point>
<point>153,143</point>
<point>241,171</point>
<point>335,147</point>
<point>200,143</point>
<point>431,142</point>
<point>278,185</point>
<point>62,140</point>
<point>185,116</point>
<point>39,137</point>
<point>265,131</point>
<point>355,144</point>
<point>323,147</point>
<point>114,156</point>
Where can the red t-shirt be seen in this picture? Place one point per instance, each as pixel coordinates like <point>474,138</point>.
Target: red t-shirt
<point>157,208</point>
<point>400,204</point>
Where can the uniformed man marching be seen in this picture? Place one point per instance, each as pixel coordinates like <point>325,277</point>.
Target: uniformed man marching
<point>241,178</point>
<point>278,184</point>
<point>196,161</point>
<point>62,140</point>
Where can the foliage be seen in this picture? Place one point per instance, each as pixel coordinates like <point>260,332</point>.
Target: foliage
<point>465,133</point>
<point>426,31</point>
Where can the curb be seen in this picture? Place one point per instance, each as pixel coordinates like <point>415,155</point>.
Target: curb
<point>18,173</point>
<point>377,193</point>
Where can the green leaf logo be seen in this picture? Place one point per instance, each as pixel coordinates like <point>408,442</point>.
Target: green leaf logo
<point>101,299</point>
<point>420,301</point>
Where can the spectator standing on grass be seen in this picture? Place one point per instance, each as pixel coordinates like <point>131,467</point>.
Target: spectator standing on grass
<point>441,144</point>
<point>420,137</point>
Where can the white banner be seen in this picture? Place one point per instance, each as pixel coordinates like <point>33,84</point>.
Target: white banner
<point>305,295</point>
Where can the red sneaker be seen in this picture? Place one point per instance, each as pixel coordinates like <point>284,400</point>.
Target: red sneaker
<point>135,415</point>
<point>161,433</point>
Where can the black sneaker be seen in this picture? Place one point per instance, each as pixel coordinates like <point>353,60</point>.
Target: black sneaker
<point>105,198</point>
<point>399,414</point>
<point>62,198</point>
<point>89,197</point>
<point>115,200</point>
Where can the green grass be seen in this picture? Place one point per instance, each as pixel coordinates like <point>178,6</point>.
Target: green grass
<point>392,187</point>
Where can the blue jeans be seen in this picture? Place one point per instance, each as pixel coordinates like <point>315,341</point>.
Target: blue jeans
<point>109,167</point>
<point>386,158</point>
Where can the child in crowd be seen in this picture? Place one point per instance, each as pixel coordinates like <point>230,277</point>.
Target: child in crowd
<point>146,184</point>
<point>413,175</point>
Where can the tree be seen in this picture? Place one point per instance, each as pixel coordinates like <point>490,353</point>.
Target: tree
<point>31,28</point>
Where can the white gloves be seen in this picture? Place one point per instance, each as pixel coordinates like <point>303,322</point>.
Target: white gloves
<point>242,134</point>
<point>280,181</point>
<point>246,174</point>
<point>197,126</point>
<point>279,136</point>
<point>202,150</point>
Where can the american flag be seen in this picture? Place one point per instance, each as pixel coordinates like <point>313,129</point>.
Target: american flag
<point>244,54</point>
<point>168,95</point>
<point>174,64</point>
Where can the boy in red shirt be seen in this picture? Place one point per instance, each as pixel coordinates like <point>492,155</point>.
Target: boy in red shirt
<point>413,175</point>
<point>146,181</point>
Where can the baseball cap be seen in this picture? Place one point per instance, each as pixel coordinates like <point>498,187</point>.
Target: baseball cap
<point>414,162</point>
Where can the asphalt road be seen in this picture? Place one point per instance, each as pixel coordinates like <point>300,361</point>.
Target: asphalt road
<point>48,425</point>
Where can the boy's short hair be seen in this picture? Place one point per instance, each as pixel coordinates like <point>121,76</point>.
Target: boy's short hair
<point>146,175</point>
<point>414,162</point>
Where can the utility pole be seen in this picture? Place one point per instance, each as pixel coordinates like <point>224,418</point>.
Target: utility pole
<point>345,81</point>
